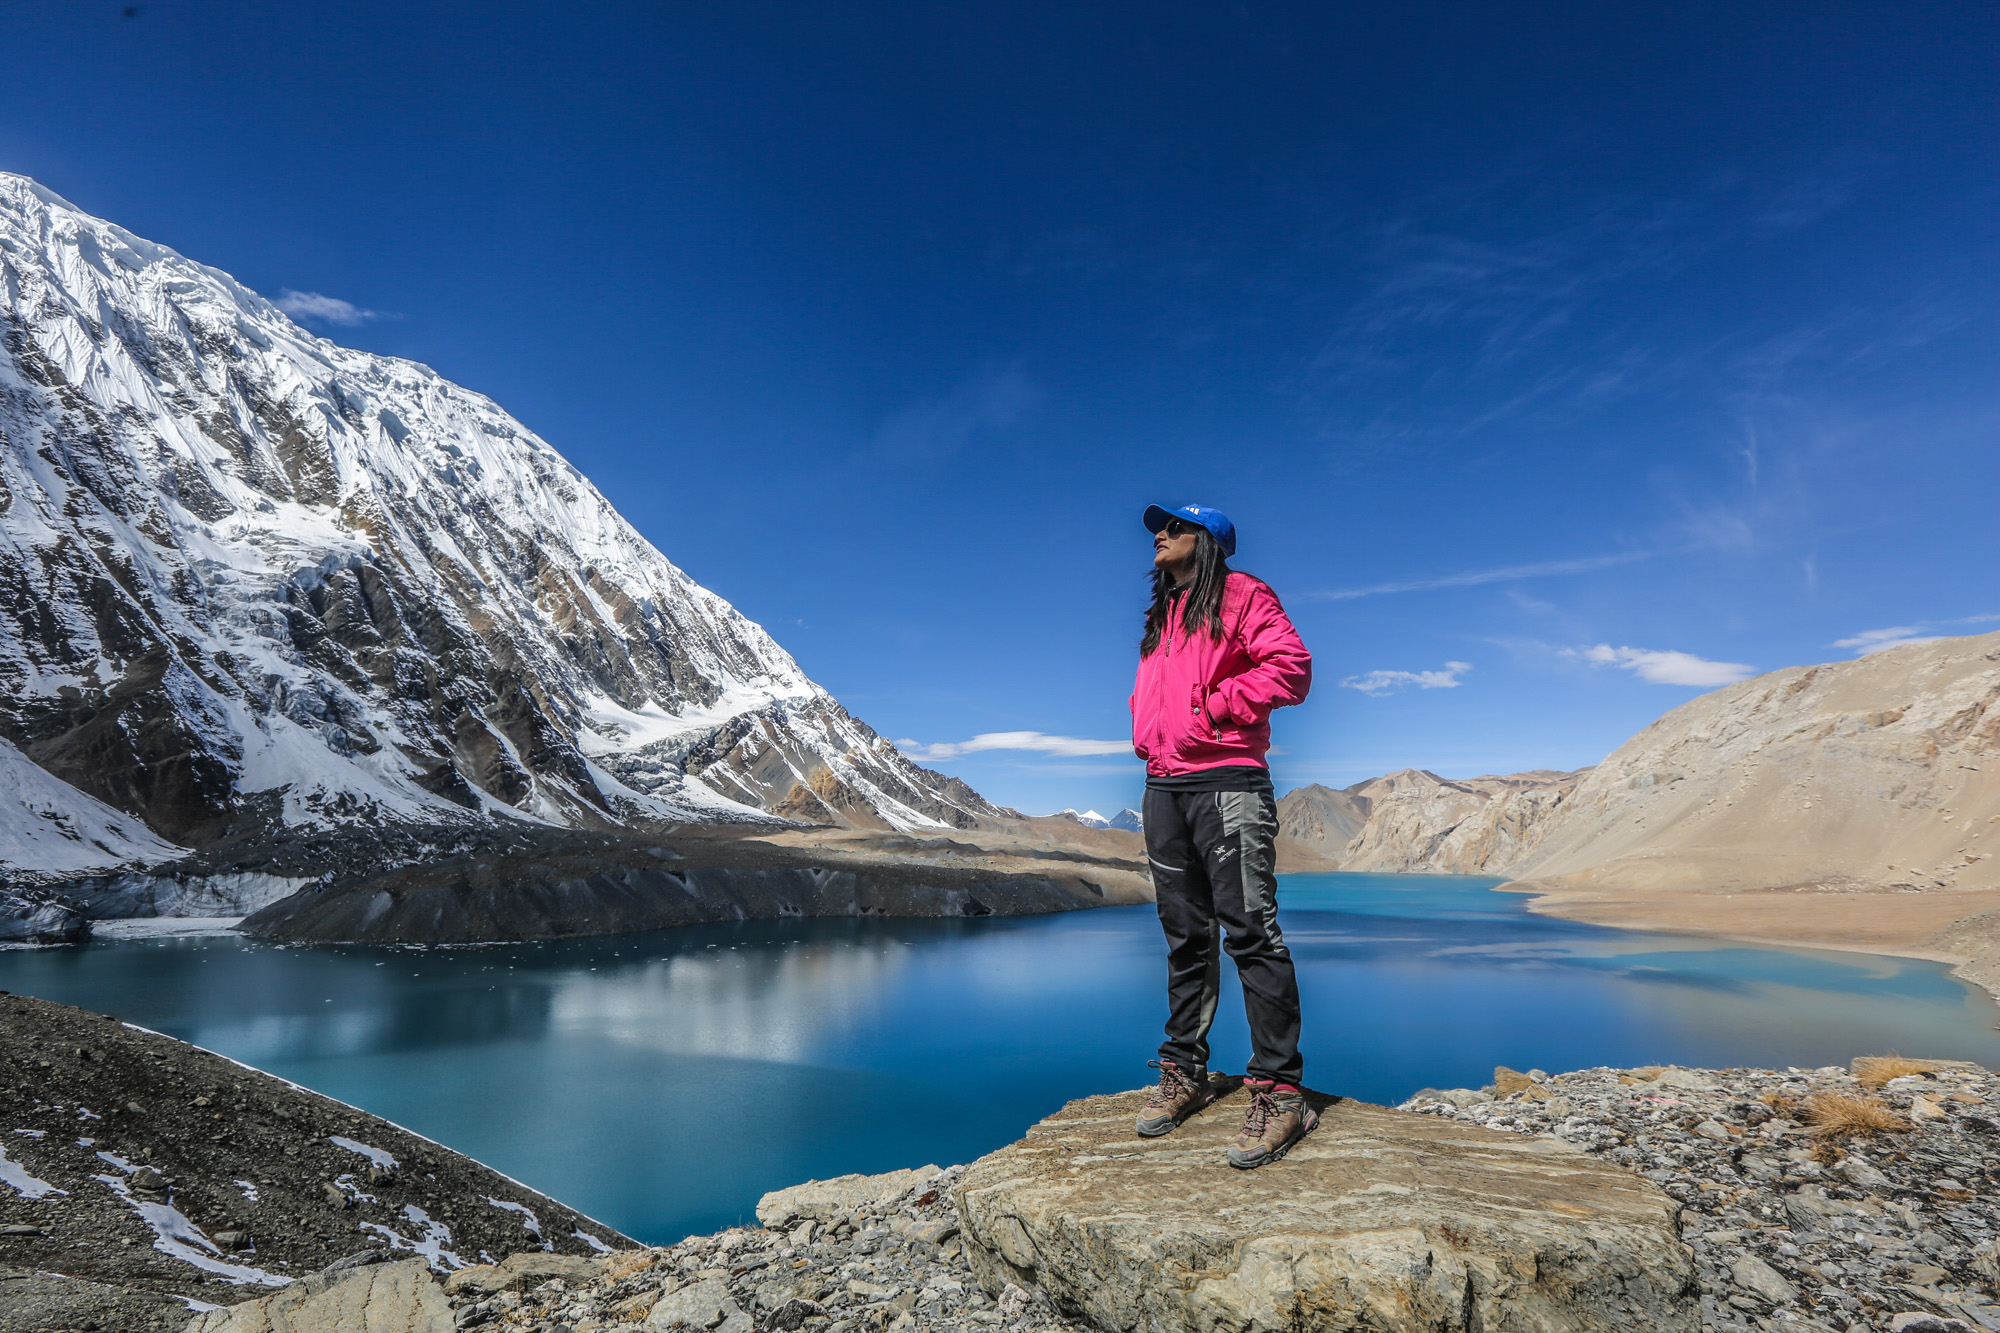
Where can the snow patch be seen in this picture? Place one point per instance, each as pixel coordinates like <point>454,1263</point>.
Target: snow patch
<point>385,1160</point>
<point>528,1219</point>
<point>25,1184</point>
<point>48,825</point>
<point>177,1237</point>
<point>431,1245</point>
<point>163,927</point>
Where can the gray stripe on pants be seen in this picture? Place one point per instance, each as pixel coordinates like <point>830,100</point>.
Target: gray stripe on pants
<point>1253,820</point>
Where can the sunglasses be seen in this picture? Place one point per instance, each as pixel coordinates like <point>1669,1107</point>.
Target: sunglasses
<point>1177,527</point>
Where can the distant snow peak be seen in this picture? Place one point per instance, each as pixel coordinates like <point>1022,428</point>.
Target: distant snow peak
<point>1127,819</point>
<point>253,579</point>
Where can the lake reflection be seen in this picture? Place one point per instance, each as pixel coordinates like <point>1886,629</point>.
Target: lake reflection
<point>661,1082</point>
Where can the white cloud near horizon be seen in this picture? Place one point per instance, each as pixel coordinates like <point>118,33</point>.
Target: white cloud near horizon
<point>1038,741</point>
<point>1875,640</point>
<point>331,309</point>
<point>1664,666</point>
<point>1896,636</point>
<point>1473,578</point>
<point>1379,683</point>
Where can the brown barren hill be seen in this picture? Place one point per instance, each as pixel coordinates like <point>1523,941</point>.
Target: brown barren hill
<point>1314,826</point>
<point>1420,822</point>
<point>1855,804</point>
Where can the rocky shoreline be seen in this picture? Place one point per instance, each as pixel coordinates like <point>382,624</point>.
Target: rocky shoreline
<point>1794,1227</point>
<point>529,883</point>
<point>143,1179</point>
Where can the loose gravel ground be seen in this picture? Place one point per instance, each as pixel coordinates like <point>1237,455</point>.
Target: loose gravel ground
<point>1797,1227</point>
<point>896,1264</point>
<point>140,1176</point>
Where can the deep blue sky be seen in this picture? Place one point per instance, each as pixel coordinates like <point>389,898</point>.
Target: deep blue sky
<point>1568,335</point>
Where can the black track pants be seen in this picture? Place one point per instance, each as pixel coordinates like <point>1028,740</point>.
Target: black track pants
<point>1213,873</point>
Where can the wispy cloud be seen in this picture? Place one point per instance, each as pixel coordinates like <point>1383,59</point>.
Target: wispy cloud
<point>1895,636</point>
<point>1379,683</point>
<point>1038,741</point>
<point>325,309</point>
<point>991,401</point>
<point>1502,574</point>
<point>1664,666</point>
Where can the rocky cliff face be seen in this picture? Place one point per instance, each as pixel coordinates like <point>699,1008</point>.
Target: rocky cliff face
<point>252,582</point>
<point>1418,821</point>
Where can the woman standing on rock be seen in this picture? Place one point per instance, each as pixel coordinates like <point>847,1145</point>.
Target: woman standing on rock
<point>1218,655</point>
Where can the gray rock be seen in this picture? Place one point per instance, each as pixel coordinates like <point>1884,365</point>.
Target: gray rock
<point>519,1271</point>
<point>830,1201</point>
<point>400,1296</point>
<point>1379,1219</point>
<point>1986,1263</point>
<point>1920,1321</point>
<point>1754,1275</point>
<point>1862,1175</point>
<point>1690,1080</point>
<point>699,1305</point>
<point>1462,1097</point>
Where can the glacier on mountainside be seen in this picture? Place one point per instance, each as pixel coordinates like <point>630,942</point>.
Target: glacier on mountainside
<point>51,826</point>
<point>252,582</point>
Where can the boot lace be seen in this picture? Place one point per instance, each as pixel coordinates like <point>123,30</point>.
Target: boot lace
<point>1263,1105</point>
<point>1174,1083</point>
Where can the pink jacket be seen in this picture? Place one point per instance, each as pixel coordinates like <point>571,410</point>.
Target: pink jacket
<point>1202,702</point>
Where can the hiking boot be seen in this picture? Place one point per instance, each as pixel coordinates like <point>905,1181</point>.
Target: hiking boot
<point>1278,1118</point>
<point>1181,1093</point>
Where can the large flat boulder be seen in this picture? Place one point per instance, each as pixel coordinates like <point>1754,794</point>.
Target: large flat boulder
<point>399,1297</point>
<point>828,1201</point>
<point>1378,1220</point>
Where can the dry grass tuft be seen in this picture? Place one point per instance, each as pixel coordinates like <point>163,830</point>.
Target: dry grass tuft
<point>1872,1071</point>
<point>631,1263</point>
<point>1836,1115</point>
<point>1783,1107</point>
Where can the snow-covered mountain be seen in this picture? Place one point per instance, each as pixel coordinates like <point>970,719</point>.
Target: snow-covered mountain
<point>1128,819</point>
<point>252,581</point>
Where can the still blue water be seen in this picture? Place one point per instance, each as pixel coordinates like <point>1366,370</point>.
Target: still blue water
<point>662,1082</point>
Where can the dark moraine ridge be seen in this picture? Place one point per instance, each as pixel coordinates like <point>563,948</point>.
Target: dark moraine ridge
<point>126,1122</point>
<point>603,885</point>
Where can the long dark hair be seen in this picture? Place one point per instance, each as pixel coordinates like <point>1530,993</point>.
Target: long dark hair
<point>1201,610</point>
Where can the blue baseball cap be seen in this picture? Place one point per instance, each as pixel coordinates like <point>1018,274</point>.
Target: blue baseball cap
<point>1214,520</point>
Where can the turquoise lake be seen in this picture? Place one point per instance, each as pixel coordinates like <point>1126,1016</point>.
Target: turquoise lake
<point>662,1082</point>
